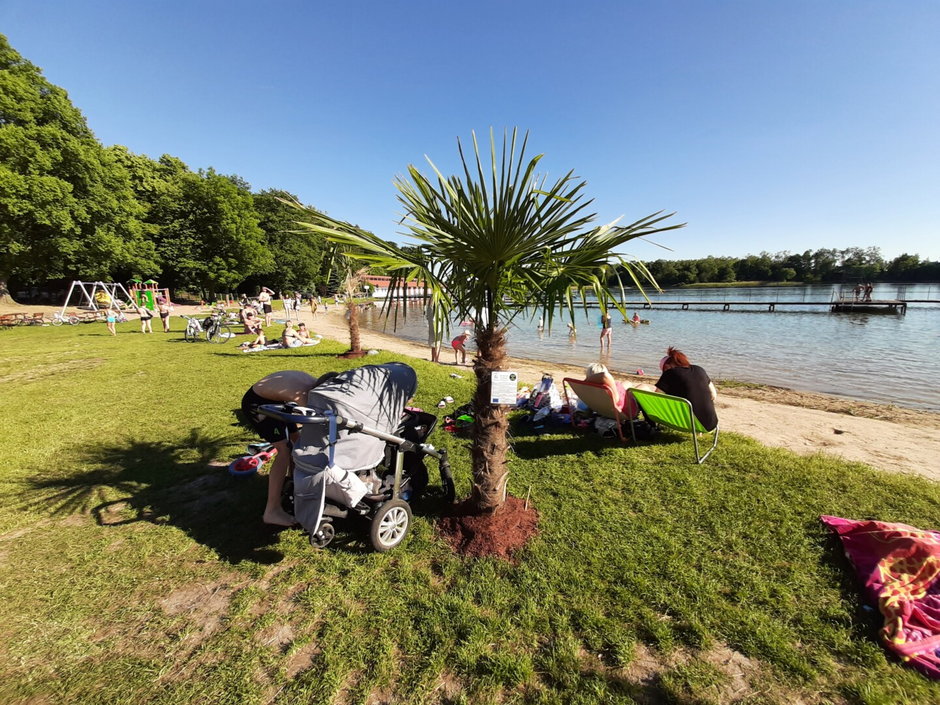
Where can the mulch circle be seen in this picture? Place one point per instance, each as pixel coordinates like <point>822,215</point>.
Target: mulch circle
<point>500,533</point>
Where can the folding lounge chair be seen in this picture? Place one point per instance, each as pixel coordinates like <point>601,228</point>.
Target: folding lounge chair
<point>599,399</point>
<point>675,413</point>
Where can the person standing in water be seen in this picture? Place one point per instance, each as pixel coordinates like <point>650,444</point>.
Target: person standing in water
<point>606,331</point>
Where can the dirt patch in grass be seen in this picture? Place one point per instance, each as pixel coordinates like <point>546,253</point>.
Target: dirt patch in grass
<point>647,668</point>
<point>202,599</point>
<point>301,660</point>
<point>35,373</point>
<point>500,533</point>
<point>277,636</point>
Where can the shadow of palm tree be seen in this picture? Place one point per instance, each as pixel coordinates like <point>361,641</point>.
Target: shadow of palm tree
<point>176,482</point>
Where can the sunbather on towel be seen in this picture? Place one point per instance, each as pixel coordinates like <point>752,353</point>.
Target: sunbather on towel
<point>290,338</point>
<point>304,335</point>
<point>285,386</point>
<point>680,378</point>
<point>259,342</point>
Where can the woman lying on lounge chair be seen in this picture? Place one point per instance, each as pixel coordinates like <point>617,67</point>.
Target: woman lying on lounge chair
<point>599,374</point>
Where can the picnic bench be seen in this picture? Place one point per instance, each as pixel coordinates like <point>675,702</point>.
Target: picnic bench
<point>8,320</point>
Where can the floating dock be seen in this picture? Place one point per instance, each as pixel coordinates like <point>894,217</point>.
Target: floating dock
<point>872,306</point>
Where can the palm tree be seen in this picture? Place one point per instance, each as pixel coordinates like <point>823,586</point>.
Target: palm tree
<point>352,281</point>
<point>493,244</point>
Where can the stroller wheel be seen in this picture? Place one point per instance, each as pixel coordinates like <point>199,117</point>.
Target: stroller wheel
<point>390,525</point>
<point>321,537</point>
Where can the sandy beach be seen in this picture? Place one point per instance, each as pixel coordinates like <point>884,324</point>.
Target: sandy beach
<point>887,437</point>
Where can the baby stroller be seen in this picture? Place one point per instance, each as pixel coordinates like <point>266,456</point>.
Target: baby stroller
<point>360,454</point>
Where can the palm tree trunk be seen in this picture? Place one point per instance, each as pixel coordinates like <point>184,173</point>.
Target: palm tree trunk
<point>491,425</point>
<point>355,343</point>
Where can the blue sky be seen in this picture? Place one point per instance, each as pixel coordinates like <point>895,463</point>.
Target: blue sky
<point>764,125</point>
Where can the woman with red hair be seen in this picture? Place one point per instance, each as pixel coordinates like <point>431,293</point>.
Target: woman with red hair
<point>680,378</point>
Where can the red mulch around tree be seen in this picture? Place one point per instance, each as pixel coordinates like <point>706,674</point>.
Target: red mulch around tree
<point>500,533</point>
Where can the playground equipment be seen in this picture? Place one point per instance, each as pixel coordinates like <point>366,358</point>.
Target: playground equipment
<point>147,293</point>
<point>97,296</point>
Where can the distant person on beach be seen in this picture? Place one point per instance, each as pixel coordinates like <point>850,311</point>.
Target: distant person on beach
<point>146,319</point>
<point>458,345</point>
<point>250,320</point>
<point>304,334</point>
<point>289,337</point>
<point>680,378</point>
<point>606,331</point>
<point>163,308</point>
<point>279,387</point>
<point>264,298</point>
<point>259,342</point>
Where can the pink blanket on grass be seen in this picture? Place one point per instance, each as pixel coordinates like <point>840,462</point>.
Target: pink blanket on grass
<point>900,568</point>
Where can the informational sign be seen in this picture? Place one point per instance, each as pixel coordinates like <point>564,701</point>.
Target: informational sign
<point>503,386</point>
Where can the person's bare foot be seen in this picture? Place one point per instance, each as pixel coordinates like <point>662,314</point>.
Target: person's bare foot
<point>278,517</point>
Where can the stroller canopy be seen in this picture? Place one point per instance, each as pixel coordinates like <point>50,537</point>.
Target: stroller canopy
<point>374,395</point>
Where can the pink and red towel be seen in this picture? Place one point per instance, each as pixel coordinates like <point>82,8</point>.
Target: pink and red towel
<point>899,567</point>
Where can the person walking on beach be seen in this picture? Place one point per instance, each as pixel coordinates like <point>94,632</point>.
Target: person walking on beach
<point>146,319</point>
<point>606,331</point>
<point>163,308</point>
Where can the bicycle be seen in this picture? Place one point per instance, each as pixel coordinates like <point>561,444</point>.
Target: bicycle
<point>217,328</point>
<point>193,329</point>
<point>58,318</point>
<point>214,328</point>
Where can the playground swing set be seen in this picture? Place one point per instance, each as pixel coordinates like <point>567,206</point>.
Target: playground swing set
<point>112,296</point>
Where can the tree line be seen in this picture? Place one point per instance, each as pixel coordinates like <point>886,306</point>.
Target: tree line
<point>72,208</point>
<point>852,264</point>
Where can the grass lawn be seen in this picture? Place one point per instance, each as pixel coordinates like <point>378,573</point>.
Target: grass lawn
<point>135,569</point>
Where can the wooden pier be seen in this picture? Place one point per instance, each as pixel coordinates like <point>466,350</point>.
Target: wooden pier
<point>841,305</point>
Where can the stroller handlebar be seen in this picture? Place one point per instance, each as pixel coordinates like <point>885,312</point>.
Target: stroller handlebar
<point>293,413</point>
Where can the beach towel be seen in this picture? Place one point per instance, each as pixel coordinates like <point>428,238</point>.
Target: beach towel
<point>899,567</point>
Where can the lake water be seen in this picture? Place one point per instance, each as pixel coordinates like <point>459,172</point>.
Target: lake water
<point>882,357</point>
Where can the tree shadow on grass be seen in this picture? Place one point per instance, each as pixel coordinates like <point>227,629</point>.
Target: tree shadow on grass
<point>168,482</point>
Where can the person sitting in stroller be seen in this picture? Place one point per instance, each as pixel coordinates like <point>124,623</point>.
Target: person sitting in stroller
<point>284,386</point>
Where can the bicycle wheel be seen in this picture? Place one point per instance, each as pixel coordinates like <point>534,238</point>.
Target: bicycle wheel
<point>57,321</point>
<point>190,335</point>
<point>73,320</point>
<point>225,334</point>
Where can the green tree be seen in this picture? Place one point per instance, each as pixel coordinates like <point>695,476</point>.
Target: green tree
<point>494,243</point>
<point>67,208</point>
<point>297,255</point>
<point>209,236</point>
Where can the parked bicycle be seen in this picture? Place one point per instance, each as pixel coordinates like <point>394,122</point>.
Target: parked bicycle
<point>58,318</point>
<point>215,329</point>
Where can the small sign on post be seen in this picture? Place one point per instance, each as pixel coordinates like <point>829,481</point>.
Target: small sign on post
<point>503,386</point>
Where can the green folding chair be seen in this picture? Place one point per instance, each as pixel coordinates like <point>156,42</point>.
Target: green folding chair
<point>675,413</point>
